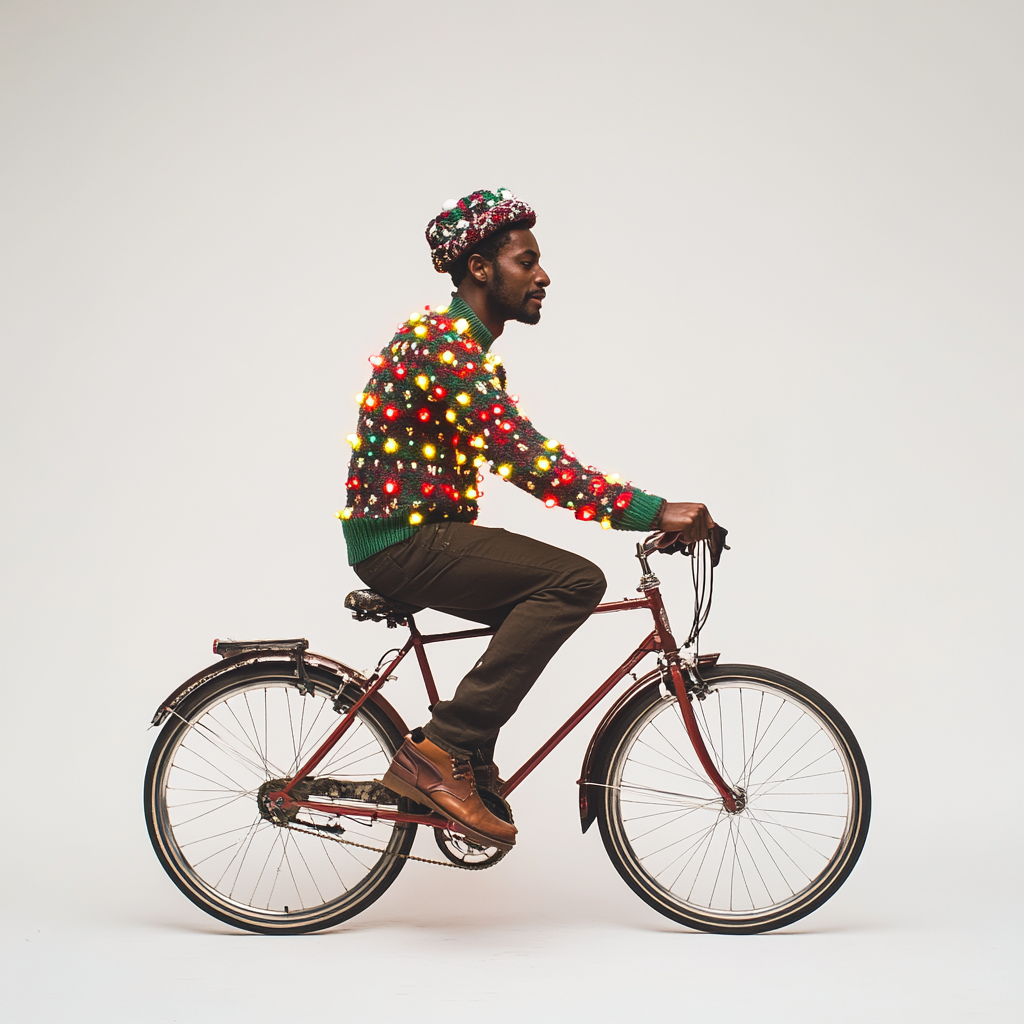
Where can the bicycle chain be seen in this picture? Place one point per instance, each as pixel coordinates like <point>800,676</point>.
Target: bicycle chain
<point>377,849</point>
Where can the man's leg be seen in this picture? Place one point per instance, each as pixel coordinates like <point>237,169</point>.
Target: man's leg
<point>538,593</point>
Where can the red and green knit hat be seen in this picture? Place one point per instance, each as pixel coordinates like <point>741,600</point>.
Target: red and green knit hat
<point>464,222</point>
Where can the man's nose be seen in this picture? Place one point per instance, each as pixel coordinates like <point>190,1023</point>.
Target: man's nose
<point>541,280</point>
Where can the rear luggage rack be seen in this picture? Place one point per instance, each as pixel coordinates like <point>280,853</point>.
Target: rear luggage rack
<point>231,648</point>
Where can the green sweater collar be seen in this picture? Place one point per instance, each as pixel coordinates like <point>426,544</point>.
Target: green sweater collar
<point>458,307</point>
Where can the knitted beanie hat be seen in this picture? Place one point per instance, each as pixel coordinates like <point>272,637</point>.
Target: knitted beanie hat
<point>464,222</point>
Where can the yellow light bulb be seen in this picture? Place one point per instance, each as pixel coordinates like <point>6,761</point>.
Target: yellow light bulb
<point>390,445</point>
<point>419,330</point>
<point>415,519</point>
<point>414,318</point>
<point>353,439</point>
<point>462,399</point>
<point>477,442</point>
<point>360,397</point>
<point>478,461</point>
<point>543,463</point>
<point>447,356</point>
<point>471,492</point>
<point>429,451</point>
<point>551,444</point>
<point>606,524</point>
<point>441,309</point>
<point>461,325</point>
<point>504,472</point>
<point>450,416</point>
<point>423,381</point>
<point>460,458</point>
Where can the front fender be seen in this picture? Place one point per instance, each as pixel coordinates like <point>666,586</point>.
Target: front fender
<point>346,676</point>
<point>596,750</point>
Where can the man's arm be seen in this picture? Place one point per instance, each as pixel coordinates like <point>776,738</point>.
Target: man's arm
<point>496,432</point>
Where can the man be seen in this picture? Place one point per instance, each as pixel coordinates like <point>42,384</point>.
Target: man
<point>435,411</point>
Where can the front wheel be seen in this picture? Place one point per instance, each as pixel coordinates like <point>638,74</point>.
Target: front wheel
<point>220,750</point>
<point>805,794</point>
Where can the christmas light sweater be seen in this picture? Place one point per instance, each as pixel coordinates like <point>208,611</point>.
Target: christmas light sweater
<point>435,411</point>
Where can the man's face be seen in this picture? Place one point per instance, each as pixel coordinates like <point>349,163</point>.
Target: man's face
<point>517,282</point>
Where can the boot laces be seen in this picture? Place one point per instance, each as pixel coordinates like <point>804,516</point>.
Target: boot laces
<point>462,769</point>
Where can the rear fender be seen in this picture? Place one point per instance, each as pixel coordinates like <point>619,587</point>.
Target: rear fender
<point>340,673</point>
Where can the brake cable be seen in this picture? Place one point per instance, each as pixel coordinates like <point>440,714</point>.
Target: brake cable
<point>702,573</point>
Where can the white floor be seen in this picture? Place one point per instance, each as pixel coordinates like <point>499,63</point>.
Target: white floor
<point>570,943</point>
<point>506,970</point>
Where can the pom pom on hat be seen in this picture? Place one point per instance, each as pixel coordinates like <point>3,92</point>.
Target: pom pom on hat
<point>464,222</point>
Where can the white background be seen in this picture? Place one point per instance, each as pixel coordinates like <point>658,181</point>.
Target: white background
<point>785,249</point>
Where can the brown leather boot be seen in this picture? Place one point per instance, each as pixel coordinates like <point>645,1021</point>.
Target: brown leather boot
<point>428,775</point>
<point>487,777</point>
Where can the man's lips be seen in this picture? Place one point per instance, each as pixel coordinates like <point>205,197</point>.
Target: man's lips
<point>536,297</point>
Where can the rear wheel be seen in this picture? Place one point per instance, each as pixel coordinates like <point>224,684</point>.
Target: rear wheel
<point>236,736</point>
<point>806,802</point>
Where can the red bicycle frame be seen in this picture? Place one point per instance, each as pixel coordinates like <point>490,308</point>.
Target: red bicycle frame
<point>660,640</point>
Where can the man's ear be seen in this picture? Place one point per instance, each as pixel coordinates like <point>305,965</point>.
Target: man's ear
<point>479,268</point>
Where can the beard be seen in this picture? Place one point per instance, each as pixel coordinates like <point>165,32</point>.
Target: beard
<point>510,306</point>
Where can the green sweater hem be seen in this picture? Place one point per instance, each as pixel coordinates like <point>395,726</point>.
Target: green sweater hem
<point>366,537</point>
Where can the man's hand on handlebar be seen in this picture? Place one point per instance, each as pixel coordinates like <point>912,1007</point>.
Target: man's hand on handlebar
<point>685,523</point>
<point>689,519</point>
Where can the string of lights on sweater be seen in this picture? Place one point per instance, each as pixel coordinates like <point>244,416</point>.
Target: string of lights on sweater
<point>435,411</point>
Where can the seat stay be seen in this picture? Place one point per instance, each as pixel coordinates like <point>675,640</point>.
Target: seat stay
<point>379,679</point>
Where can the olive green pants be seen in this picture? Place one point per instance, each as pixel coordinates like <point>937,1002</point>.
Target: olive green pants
<point>536,596</point>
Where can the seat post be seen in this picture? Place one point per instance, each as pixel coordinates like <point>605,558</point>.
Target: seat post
<point>421,657</point>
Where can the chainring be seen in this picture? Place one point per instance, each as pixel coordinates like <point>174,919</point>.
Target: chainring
<point>463,852</point>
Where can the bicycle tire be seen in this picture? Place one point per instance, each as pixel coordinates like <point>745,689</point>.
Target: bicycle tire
<point>215,751</point>
<point>665,827</point>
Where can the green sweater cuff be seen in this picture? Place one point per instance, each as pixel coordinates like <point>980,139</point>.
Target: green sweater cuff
<point>641,513</point>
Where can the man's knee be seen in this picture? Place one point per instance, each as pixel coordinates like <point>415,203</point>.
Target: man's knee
<point>588,581</point>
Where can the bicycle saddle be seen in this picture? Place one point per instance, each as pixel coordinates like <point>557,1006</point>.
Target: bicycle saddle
<point>367,604</point>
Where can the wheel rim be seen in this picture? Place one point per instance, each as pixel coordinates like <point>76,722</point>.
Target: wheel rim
<point>791,836</point>
<point>212,835</point>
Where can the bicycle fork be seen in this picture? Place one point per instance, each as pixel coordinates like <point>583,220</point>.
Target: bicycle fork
<point>734,800</point>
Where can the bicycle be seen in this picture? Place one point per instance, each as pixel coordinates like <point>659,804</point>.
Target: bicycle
<point>730,798</point>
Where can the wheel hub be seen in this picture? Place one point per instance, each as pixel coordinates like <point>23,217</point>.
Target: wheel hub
<point>740,796</point>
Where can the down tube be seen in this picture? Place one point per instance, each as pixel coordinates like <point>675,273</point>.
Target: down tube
<point>649,645</point>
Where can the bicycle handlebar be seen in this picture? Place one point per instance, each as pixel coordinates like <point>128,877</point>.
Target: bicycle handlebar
<point>672,543</point>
